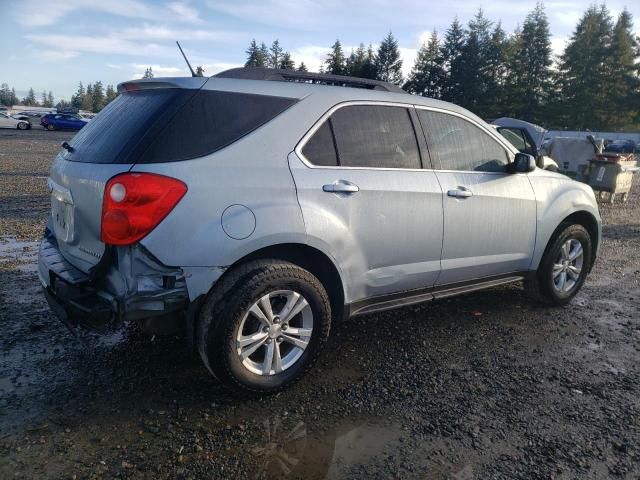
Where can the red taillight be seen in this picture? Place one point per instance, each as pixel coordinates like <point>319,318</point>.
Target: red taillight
<point>135,203</point>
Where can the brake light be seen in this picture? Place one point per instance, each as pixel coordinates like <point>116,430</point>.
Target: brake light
<point>135,203</point>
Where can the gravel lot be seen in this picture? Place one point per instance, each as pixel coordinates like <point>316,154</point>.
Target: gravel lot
<point>482,386</point>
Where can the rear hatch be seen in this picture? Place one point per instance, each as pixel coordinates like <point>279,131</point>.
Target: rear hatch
<point>107,146</point>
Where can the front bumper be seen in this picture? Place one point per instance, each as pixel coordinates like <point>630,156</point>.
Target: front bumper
<point>103,303</point>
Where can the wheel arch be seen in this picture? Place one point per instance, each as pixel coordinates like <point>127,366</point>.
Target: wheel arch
<point>310,258</point>
<point>579,217</point>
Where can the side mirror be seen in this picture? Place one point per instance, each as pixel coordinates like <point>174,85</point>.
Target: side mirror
<point>523,163</point>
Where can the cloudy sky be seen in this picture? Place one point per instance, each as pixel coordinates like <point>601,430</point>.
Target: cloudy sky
<point>53,44</point>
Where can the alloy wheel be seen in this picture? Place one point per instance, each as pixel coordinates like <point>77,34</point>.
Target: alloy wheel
<point>568,266</point>
<point>274,332</point>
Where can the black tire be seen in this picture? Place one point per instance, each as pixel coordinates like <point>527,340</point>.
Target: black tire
<point>540,285</point>
<point>225,307</point>
<point>23,126</point>
<point>51,127</point>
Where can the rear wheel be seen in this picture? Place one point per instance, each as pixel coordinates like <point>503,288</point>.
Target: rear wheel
<point>564,266</point>
<point>23,126</point>
<point>263,326</point>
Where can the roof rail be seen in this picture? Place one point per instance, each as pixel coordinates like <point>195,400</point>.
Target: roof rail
<point>279,75</point>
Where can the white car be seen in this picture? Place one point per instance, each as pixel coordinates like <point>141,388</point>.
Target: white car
<point>9,122</point>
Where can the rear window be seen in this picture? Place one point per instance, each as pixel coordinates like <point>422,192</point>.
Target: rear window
<point>168,125</point>
<point>210,121</point>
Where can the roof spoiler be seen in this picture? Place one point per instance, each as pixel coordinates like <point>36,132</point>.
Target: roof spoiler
<point>157,83</point>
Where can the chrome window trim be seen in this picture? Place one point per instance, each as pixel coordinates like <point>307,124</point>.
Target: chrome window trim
<point>305,138</point>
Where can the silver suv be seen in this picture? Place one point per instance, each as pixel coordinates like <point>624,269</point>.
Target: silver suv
<point>254,208</point>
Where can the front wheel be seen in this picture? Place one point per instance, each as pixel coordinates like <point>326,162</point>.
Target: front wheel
<point>564,266</point>
<point>263,326</point>
<point>23,126</point>
<point>51,127</point>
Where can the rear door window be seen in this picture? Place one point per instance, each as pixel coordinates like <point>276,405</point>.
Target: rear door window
<point>365,136</point>
<point>375,136</point>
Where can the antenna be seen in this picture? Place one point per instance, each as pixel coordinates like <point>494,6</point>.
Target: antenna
<point>193,74</point>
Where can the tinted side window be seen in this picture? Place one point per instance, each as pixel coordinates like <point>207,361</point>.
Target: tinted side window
<point>457,144</point>
<point>320,149</point>
<point>211,120</point>
<point>375,136</point>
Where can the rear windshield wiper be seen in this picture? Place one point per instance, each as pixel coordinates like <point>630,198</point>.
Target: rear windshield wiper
<point>67,147</point>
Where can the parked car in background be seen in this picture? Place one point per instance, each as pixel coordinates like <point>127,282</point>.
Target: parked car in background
<point>62,121</point>
<point>621,146</point>
<point>7,121</point>
<point>254,208</point>
<point>520,138</point>
<point>29,115</point>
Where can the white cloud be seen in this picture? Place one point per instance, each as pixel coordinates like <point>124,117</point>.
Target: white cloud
<point>162,32</point>
<point>108,44</point>
<point>185,11</point>
<point>39,13</point>
<point>114,66</point>
<point>313,56</point>
<point>55,55</point>
<point>558,45</point>
<point>408,56</point>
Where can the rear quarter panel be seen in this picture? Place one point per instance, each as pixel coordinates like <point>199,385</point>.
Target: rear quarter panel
<point>253,173</point>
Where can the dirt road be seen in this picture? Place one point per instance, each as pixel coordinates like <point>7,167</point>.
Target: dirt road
<point>482,386</point>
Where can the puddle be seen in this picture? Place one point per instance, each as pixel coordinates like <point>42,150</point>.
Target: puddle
<point>287,448</point>
<point>24,254</point>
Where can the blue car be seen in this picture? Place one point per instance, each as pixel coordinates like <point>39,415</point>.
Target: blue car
<point>62,121</point>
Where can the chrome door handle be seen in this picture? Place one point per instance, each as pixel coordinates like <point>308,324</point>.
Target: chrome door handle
<point>460,192</point>
<point>341,187</point>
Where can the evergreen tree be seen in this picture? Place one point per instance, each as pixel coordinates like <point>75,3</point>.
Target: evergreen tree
<point>110,94</point>
<point>336,62</point>
<point>148,73</point>
<point>496,96</point>
<point>63,105</point>
<point>97,98</point>
<point>451,53</point>
<point>275,54</point>
<point>5,95</point>
<point>475,78</point>
<point>254,56</point>
<point>286,62</point>
<point>388,62</point>
<point>50,100</point>
<point>87,100</point>
<point>623,84</point>
<point>531,68</point>
<point>356,65</point>
<point>263,55</point>
<point>427,73</point>
<point>43,100</point>
<point>302,67</point>
<point>14,97</point>
<point>78,97</point>
<point>30,99</point>
<point>200,71</point>
<point>584,69</point>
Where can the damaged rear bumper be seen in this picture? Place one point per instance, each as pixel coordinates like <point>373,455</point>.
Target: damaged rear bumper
<point>132,286</point>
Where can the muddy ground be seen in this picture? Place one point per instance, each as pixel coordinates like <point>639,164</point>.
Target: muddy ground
<point>482,386</point>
